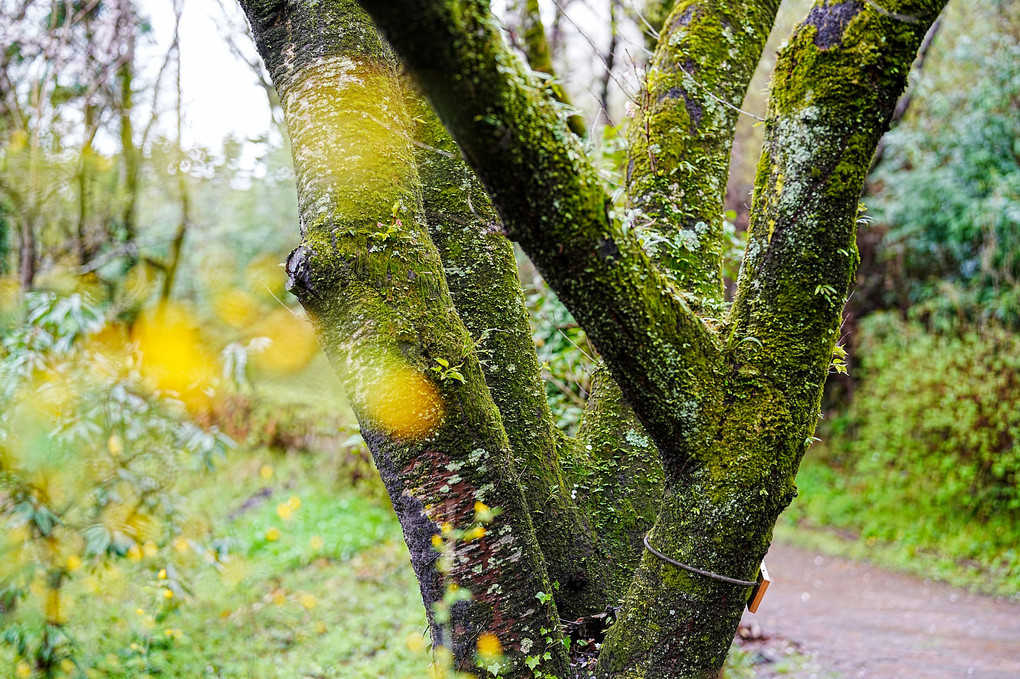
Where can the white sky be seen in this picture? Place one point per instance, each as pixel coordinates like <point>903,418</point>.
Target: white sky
<point>220,93</point>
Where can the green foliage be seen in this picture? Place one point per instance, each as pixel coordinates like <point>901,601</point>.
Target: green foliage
<point>89,457</point>
<point>564,354</point>
<point>927,457</point>
<point>936,416</point>
<point>950,183</point>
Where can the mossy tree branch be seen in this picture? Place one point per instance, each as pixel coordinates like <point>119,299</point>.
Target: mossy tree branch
<point>551,202</point>
<point>485,285</point>
<point>681,136</point>
<point>536,48</point>
<point>834,89</point>
<point>833,94</point>
<point>373,282</point>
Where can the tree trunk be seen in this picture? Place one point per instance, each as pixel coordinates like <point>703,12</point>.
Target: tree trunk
<point>703,412</point>
<point>372,280</point>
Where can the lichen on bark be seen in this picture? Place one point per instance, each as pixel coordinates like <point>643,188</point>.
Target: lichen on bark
<point>373,283</point>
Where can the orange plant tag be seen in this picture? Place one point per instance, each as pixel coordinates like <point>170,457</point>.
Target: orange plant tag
<point>758,593</point>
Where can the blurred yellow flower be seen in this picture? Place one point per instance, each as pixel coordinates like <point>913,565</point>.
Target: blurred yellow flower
<point>320,627</point>
<point>180,545</point>
<point>73,563</point>
<point>236,307</point>
<point>437,541</point>
<point>483,513</point>
<point>23,671</point>
<point>134,553</point>
<point>414,642</point>
<point>401,401</point>
<point>284,511</point>
<point>272,533</point>
<point>115,445</point>
<point>162,574</point>
<point>475,533</point>
<point>168,594</point>
<point>174,357</point>
<point>489,647</point>
<point>266,471</point>
<point>316,543</point>
<point>308,601</point>
<point>150,549</point>
<point>293,342</point>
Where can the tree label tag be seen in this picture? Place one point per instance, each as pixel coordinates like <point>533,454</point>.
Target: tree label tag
<point>758,593</point>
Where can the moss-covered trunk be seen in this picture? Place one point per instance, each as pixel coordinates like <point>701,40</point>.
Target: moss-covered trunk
<point>373,283</point>
<point>486,289</point>
<point>702,414</point>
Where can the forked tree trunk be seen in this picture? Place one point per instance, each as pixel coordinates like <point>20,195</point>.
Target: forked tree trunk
<point>419,308</point>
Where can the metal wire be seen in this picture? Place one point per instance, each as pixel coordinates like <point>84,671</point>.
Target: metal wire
<point>692,569</point>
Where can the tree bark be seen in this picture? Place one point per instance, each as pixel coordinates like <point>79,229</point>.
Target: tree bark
<point>728,399</point>
<point>373,281</point>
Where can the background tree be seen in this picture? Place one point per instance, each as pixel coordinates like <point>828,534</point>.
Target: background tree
<point>728,396</point>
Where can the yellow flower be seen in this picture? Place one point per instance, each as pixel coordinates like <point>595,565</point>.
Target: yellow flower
<point>168,594</point>
<point>437,541</point>
<point>272,534</point>
<point>483,513</point>
<point>489,647</point>
<point>162,574</point>
<point>24,670</point>
<point>150,548</point>
<point>475,533</point>
<point>284,511</point>
<point>447,528</point>
<point>266,471</point>
<point>73,563</point>
<point>308,601</point>
<point>115,445</point>
<point>181,545</point>
<point>294,503</point>
<point>320,627</point>
<point>414,642</point>
<point>316,543</point>
<point>400,400</point>
<point>134,553</point>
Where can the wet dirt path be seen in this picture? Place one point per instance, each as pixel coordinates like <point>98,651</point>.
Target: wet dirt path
<point>860,621</point>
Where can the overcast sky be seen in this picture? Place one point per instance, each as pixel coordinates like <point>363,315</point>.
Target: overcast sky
<point>221,95</point>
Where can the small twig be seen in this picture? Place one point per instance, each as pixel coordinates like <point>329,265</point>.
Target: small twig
<point>714,96</point>
<point>892,15</point>
<point>445,154</point>
<point>595,49</point>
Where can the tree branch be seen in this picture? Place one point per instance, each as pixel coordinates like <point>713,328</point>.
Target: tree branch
<point>551,202</point>
<point>373,281</point>
<point>536,48</point>
<point>681,137</point>
<point>833,94</point>
<point>485,286</point>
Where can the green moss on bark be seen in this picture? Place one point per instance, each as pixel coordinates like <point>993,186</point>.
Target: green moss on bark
<point>486,289</point>
<point>373,282</point>
<point>680,138</point>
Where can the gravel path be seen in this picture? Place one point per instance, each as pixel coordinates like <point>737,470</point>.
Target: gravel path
<point>860,621</point>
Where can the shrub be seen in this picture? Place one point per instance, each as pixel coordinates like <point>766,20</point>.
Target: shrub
<point>936,419</point>
<point>90,450</point>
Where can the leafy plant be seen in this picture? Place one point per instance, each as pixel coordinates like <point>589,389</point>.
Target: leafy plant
<point>89,456</point>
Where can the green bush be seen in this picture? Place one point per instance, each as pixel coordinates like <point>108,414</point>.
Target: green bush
<point>949,185</point>
<point>937,418</point>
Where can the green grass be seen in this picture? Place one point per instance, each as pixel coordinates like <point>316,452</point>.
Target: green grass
<point>332,596</point>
